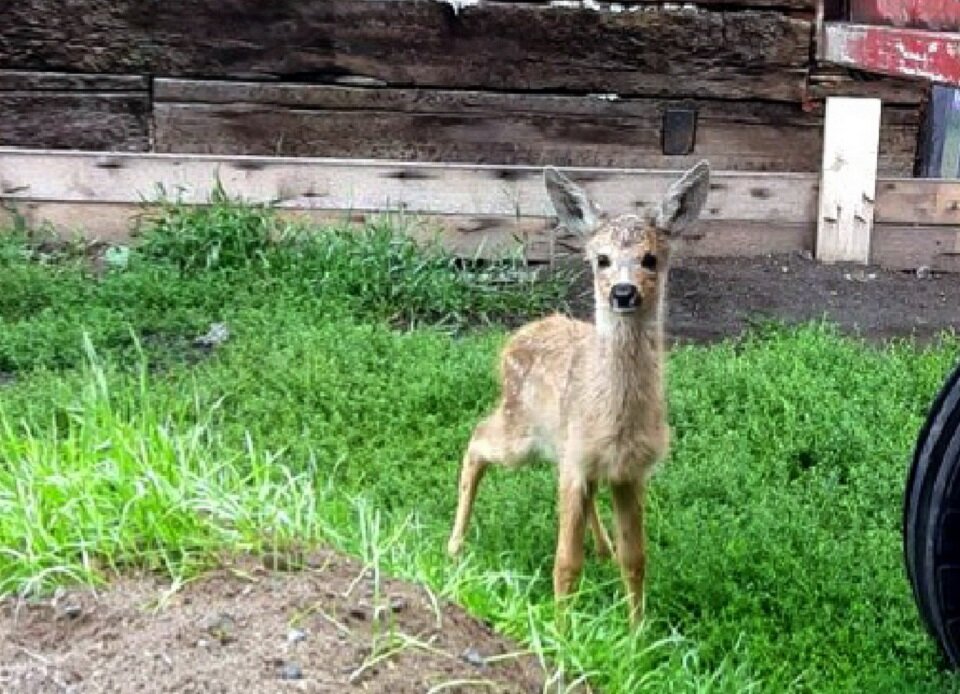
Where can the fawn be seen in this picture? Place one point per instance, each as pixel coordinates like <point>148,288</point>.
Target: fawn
<point>591,397</point>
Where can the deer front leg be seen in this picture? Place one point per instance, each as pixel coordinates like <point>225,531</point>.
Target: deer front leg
<point>631,550</point>
<point>568,561</point>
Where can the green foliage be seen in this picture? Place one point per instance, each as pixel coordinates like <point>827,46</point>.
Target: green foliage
<point>193,266</point>
<point>774,537</point>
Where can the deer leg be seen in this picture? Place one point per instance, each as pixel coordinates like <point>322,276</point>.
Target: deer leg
<point>568,561</point>
<point>631,551</point>
<point>471,472</point>
<point>601,539</point>
<point>493,441</point>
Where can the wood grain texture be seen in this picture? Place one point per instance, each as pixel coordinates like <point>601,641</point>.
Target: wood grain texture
<point>650,50</point>
<point>909,247</point>
<point>834,80</point>
<point>332,184</point>
<point>927,202</point>
<point>217,117</point>
<point>848,180</point>
<point>466,236</point>
<point>52,110</point>
<point>911,53</point>
<point>894,246</point>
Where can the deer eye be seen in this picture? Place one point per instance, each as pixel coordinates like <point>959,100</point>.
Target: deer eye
<point>648,261</point>
<point>603,261</point>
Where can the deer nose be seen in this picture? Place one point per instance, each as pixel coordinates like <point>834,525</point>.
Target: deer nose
<point>623,296</point>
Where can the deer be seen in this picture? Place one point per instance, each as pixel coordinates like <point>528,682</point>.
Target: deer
<point>590,397</point>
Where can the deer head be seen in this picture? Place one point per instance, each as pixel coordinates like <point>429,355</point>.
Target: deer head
<point>629,254</point>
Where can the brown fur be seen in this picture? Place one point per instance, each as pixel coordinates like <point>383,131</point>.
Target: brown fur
<point>591,396</point>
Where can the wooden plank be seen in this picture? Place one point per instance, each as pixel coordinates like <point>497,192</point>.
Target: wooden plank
<point>486,237</point>
<point>909,247</point>
<point>21,80</point>
<point>655,50</point>
<point>218,117</point>
<point>934,15</point>
<point>804,6</point>
<point>928,202</point>
<point>53,110</point>
<point>827,80</point>
<point>332,184</point>
<point>910,53</point>
<point>848,181</point>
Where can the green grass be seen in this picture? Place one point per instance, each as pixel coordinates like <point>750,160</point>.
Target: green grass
<point>337,414</point>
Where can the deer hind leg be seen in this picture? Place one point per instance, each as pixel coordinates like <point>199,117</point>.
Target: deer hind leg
<point>494,441</point>
<point>631,550</point>
<point>601,539</point>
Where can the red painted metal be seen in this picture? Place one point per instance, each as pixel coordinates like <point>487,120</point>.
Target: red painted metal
<point>917,53</point>
<point>934,15</point>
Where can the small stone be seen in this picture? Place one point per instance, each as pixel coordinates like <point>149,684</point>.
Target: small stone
<point>398,604</point>
<point>217,335</point>
<point>202,643</point>
<point>784,269</point>
<point>221,627</point>
<point>296,635</point>
<point>806,254</point>
<point>290,671</point>
<point>72,611</point>
<point>472,656</point>
<point>923,272</point>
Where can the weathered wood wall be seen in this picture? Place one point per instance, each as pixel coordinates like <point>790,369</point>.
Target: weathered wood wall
<point>522,82</point>
<point>474,207</point>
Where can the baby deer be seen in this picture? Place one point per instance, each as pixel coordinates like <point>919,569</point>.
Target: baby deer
<point>591,397</point>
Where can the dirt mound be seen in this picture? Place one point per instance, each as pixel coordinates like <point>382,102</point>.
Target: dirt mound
<point>249,628</point>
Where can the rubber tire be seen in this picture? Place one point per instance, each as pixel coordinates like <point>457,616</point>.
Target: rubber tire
<point>931,520</point>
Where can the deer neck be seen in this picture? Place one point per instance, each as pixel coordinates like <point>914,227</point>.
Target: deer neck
<point>626,359</point>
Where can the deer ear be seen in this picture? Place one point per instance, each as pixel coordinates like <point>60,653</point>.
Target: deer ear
<point>574,209</point>
<point>684,200</point>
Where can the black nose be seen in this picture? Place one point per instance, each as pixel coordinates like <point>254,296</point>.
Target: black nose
<point>623,295</point>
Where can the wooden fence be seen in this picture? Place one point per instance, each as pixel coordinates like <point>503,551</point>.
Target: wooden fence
<point>648,85</point>
<point>473,207</point>
<point>444,111</point>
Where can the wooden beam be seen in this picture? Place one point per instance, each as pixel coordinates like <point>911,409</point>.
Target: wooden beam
<point>913,53</point>
<point>372,185</point>
<point>654,50</point>
<point>909,247</point>
<point>74,111</point>
<point>929,202</point>
<point>222,117</point>
<point>848,179</point>
<point>466,236</point>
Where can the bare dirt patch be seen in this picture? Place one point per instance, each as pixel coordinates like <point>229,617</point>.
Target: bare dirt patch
<point>249,628</point>
<point>714,298</point>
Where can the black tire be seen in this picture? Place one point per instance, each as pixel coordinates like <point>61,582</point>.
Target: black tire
<point>931,520</point>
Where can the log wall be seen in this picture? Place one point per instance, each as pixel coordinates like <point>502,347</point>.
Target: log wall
<point>535,82</point>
